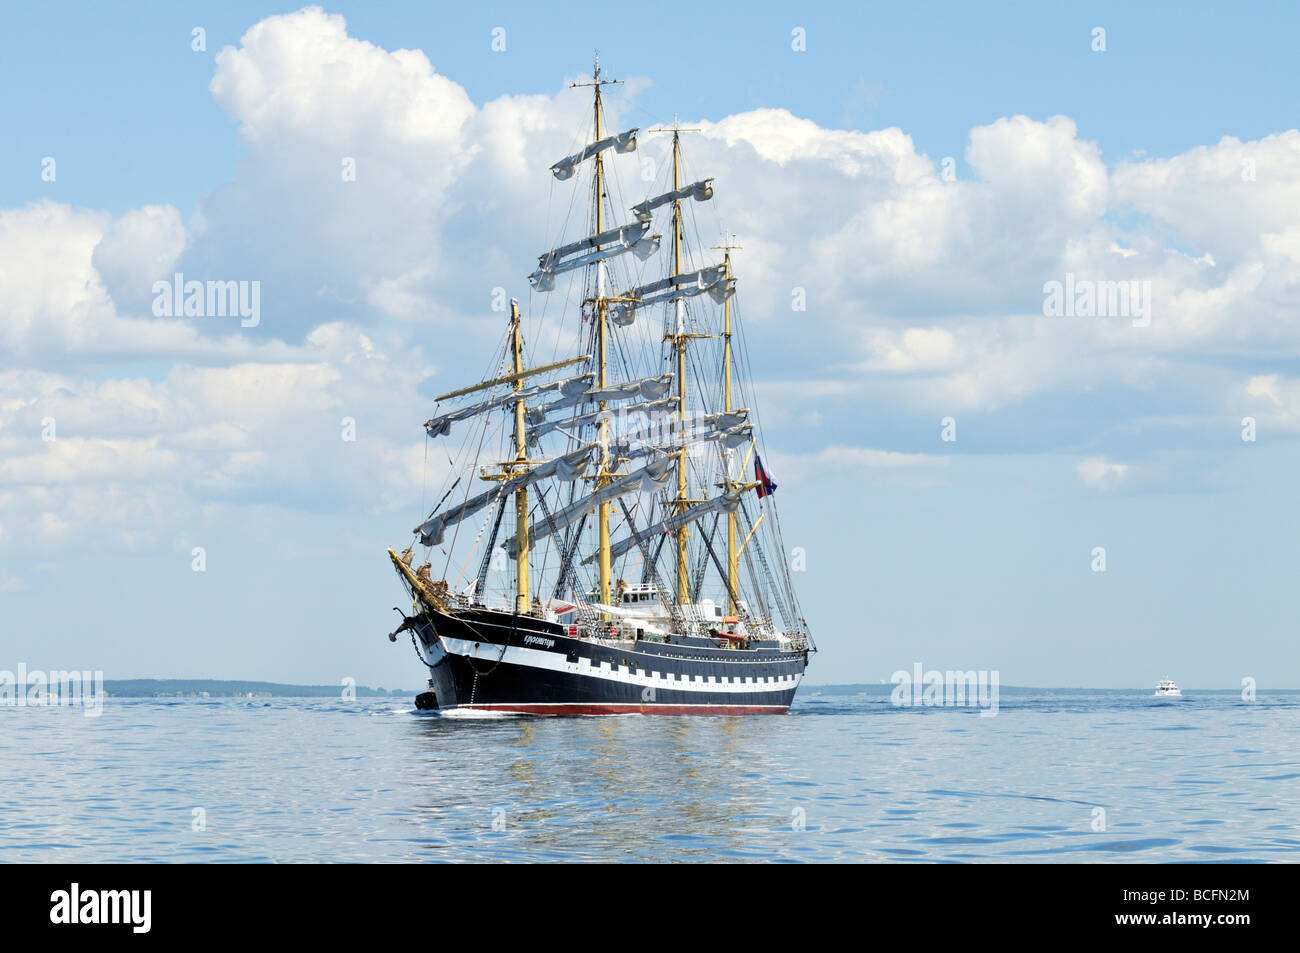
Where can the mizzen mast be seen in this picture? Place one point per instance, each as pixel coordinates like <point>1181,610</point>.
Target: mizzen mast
<point>678,337</point>
<point>733,555</point>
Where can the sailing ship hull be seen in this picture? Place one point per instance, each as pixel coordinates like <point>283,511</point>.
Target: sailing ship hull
<point>495,661</point>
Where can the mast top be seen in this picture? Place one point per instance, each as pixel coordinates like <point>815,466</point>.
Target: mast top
<point>676,128</point>
<point>595,77</point>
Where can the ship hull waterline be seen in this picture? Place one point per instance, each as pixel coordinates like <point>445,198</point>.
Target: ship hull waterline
<point>493,661</point>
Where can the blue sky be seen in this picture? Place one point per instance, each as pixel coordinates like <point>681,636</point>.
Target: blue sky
<point>925,302</point>
<point>125,99</point>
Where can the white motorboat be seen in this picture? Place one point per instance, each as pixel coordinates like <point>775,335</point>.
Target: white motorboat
<point>1167,689</point>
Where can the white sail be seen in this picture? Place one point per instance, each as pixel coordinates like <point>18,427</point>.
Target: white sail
<point>646,388</point>
<point>641,444</point>
<point>569,466</point>
<point>694,425</point>
<point>432,530</point>
<point>596,416</point>
<point>610,243</point>
<point>648,479</point>
<point>725,503</point>
<point>441,425</point>
<point>701,191</point>
<point>622,142</point>
<point>712,280</point>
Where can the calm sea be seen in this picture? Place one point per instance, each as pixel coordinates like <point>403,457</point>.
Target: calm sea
<point>1055,776</point>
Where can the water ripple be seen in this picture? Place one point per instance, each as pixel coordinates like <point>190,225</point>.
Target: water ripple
<point>1059,776</point>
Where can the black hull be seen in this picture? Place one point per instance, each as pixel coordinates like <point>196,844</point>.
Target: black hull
<point>494,661</point>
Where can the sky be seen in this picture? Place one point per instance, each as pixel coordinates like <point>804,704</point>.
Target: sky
<point>920,175</point>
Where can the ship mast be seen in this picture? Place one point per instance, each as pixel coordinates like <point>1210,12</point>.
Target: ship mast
<point>679,345</point>
<point>601,317</point>
<point>733,556</point>
<point>521,457</point>
<point>678,337</point>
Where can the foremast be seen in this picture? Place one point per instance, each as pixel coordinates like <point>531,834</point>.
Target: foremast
<point>521,463</point>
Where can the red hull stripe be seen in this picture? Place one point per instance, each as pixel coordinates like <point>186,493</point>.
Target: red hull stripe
<point>585,708</point>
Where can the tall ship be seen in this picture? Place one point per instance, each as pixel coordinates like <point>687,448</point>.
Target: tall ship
<point>615,502</point>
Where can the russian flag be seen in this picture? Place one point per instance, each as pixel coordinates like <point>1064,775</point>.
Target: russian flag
<point>766,485</point>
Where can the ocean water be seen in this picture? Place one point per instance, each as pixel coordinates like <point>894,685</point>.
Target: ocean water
<point>1072,776</point>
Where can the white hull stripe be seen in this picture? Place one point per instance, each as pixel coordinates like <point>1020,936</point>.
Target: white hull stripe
<point>555,662</point>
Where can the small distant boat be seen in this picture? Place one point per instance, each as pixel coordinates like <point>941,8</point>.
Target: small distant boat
<point>1167,689</point>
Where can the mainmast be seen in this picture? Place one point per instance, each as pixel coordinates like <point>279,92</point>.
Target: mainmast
<point>679,338</point>
<point>602,318</point>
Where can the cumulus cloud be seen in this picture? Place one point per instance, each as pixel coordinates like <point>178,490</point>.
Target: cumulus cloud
<point>136,250</point>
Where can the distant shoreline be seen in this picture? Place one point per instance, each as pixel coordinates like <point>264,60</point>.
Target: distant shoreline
<point>217,688</point>
<point>223,688</point>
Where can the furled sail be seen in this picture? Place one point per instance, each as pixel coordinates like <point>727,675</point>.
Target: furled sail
<point>646,388</point>
<point>596,416</point>
<point>724,503</point>
<point>648,479</point>
<point>441,425</point>
<point>701,191</point>
<point>569,466</point>
<point>698,426</point>
<point>638,445</point>
<point>622,142</point>
<point>712,280</point>
<point>633,237</point>
<point>431,531</point>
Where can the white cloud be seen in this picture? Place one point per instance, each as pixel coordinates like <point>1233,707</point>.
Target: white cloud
<point>1102,474</point>
<point>136,250</point>
<point>1274,400</point>
<point>914,349</point>
<point>862,465</point>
